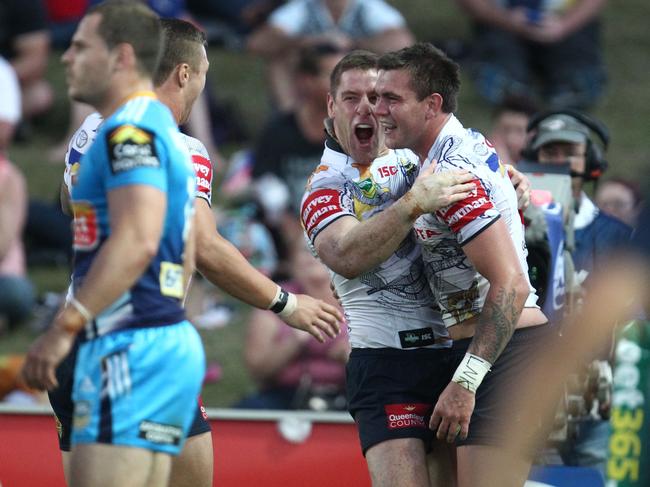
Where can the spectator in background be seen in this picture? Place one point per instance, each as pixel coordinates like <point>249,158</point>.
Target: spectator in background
<point>25,43</point>
<point>366,24</point>
<point>290,147</point>
<point>509,123</point>
<point>62,19</point>
<point>291,369</point>
<point>620,198</point>
<point>519,44</point>
<point>16,292</point>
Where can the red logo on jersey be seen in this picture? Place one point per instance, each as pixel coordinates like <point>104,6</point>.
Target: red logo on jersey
<point>425,233</point>
<point>203,170</point>
<point>318,206</point>
<point>387,171</point>
<point>460,214</point>
<point>86,230</point>
<point>409,415</point>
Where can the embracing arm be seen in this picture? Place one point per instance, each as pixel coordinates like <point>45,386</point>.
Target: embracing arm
<point>350,247</point>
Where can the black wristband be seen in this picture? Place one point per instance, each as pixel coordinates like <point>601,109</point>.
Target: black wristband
<point>280,302</point>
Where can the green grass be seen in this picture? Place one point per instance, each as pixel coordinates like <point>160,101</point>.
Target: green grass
<point>240,79</point>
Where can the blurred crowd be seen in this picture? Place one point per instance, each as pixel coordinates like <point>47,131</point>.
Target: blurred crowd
<point>525,57</point>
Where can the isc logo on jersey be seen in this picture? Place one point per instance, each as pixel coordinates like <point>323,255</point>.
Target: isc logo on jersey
<point>86,229</point>
<point>387,171</point>
<point>130,147</point>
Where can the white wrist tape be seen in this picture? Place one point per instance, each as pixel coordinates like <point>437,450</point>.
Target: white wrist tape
<point>83,311</point>
<point>471,371</point>
<point>284,303</point>
<point>292,304</point>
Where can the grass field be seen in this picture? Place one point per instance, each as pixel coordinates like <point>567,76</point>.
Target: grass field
<point>239,79</point>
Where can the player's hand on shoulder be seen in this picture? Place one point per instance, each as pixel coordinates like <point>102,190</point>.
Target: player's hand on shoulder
<point>315,317</point>
<point>452,413</point>
<point>433,191</point>
<point>522,185</point>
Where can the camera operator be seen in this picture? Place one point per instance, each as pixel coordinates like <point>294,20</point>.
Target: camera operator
<point>571,139</point>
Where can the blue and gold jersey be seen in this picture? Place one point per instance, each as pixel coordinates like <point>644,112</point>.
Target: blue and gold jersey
<point>138,144</point>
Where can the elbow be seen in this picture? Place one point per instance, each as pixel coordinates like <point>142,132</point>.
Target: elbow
<point>521,287</point>
<point>148,249</point>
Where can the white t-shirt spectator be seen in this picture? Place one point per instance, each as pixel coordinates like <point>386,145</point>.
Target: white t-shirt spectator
<point>362,18</point>
<point>10,107</point>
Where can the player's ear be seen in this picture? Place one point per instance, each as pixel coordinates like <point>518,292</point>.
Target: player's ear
<point>330,105</point>
<point>183,74</point>
<point>125,56</point>
<point>434,105</point>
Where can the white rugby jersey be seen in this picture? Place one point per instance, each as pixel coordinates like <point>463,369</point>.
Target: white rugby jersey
<point>457,286</point>
<point>86,133</point>
<point>390,305</point>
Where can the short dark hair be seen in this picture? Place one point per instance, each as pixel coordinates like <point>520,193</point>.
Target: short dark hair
<point>357,59</point>
<point>516,104</point>
<point>131,22</point>
<point>309,57</point>
<point>430,69</point>
<point>180,42</point>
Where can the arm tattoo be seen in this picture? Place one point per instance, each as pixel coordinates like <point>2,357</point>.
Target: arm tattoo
<point>497,322</point>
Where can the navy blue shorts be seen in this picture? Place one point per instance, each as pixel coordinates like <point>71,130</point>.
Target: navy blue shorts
<point>391,392</point>
<point>61,402</point>
<point>496,404</point>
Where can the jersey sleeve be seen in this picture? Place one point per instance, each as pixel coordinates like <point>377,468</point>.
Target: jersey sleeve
<point>202,167</point>
<point>135,156</point>
<point>325,200</point>
<point>470,216</point>
<point>77,147</point>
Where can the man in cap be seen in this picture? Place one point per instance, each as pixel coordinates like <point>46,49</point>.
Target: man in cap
<point>563,138</point>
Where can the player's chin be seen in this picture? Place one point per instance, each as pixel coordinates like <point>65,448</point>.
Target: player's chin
<point>392,138</point>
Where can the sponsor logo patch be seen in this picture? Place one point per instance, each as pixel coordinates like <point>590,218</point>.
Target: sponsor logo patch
<point>425,234</point>
<point>408,415</point>
<point>460,214</point>
<point>82,139</point>
<point>131,147</point>
<point>416,338</point>
<point>85,227</point>
<point>171,280</point>
<point>387,171</point>
<point>163,434</point>
<point>318,206</point>
<point>203,170</point>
